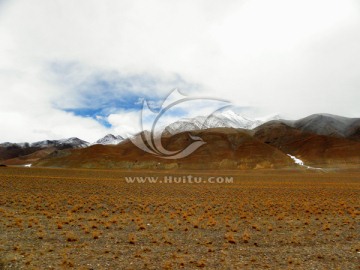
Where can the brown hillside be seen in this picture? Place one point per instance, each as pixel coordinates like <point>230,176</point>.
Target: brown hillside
<point>225,148</point>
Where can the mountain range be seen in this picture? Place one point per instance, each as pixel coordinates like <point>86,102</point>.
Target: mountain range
<point>232,142</point>
<point>27,153</point>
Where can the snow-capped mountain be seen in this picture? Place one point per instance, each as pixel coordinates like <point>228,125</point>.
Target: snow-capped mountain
<point>63,143</point>
<point>110,139</point>
<point>226,118</point>
<point>9,144</point>
<point>70,142</point>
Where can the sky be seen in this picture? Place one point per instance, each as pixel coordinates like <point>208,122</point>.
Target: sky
<point>83,68</point>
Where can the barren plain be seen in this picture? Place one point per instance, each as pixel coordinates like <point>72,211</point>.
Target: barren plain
<point>94,219</point>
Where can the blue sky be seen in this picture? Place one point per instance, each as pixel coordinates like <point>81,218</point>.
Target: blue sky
<point>101,93</point>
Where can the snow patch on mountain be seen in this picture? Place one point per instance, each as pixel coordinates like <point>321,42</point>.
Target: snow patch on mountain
<point>301,163</point>
<point>296,160</point>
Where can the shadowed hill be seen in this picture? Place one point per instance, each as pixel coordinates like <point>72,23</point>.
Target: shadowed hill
<point>30,158</point>
<point>13,151</point>
<point>329,125</point>
<point>313,149</point>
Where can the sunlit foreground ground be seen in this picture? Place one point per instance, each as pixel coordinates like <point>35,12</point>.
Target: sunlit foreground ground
<point>90,219</point>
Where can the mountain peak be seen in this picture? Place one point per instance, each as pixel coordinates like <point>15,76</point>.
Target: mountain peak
<point>110,139</point>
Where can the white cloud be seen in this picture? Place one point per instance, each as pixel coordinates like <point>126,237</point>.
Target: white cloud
<point>125,123</point>
<point>293,57</point>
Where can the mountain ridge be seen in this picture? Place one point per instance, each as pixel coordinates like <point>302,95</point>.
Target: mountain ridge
<point>227,118</point>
